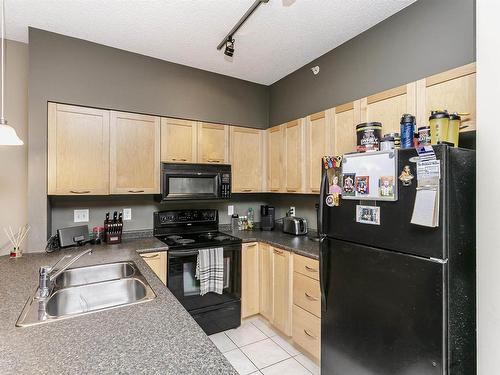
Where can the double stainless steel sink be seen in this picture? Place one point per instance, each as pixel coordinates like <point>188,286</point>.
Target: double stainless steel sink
<point>84,290</point>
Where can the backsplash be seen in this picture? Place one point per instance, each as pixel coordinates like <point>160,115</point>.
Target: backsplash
<point>144,206</point>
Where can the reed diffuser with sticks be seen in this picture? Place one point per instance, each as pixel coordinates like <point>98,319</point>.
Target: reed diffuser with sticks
<point>16,239</point>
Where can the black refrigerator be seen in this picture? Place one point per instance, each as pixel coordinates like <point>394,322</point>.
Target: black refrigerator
<point>399,298</point>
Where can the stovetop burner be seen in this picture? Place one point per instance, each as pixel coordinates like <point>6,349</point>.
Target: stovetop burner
<point>199,239</point>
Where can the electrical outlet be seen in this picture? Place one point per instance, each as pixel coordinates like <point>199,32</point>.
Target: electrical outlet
<point>81,216</point>
<point>230,210</point>
<point>292,210</point>
<point>127,214</point>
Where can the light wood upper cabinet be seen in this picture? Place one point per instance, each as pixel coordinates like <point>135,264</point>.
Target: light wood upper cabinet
<point>78,150</point>
<point>134,154</point>
<point>275,170</point>
<point>213,143</point>
<point>282,290</point>
<point>318,144</point>
<point>294,156</point>
<point>387,107</point>
<point>247,146</point>
<point>250,299</point>
<point>345,119</point>
<point>266,281</point>
<point>453,90</point>
<point>178,140</point>
<point>158,263</point>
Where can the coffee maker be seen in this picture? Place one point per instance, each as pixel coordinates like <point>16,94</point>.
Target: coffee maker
<point>266,217</point>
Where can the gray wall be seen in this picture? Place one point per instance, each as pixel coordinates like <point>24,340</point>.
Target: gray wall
<point>74,71</point>
<point>143,208</point>
<point>428,37</point>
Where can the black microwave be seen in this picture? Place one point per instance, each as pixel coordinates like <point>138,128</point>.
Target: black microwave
<point>185,181</point>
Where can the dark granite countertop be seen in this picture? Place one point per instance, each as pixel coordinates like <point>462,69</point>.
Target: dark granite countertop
<point>301,245</point>
<point>154,337</point>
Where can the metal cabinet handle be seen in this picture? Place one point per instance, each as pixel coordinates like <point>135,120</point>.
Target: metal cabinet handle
<point>80,192</point>
<point>150,256</point>
<point>136,191</point>
<point>310,269</point>
<point>179,159</point>
<point>213,161</point>
<point>252,245</point>
<point>246,189</point>
<point>310,297</point>
<point>310,335</point>
<point>279,252</point>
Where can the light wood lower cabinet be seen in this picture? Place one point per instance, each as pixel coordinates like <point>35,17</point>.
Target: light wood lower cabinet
<point>307,331</point>
<point>158,263</point>
<point>266,281</point>
<point>134,154</point>
<point>250,299</point>
<point>78,150</point>
<point>306,293</point>
<point>282,290</point>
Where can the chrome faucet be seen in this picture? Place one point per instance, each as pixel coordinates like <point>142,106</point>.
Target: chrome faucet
<point>47,274</point>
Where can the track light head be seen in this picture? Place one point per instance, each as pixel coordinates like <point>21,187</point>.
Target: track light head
<point>229,50</point>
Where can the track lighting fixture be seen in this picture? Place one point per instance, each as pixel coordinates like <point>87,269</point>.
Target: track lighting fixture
<point>228,40</point>
<point>229,51</point>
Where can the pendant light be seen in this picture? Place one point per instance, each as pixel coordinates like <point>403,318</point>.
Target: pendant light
<point>8,136</point>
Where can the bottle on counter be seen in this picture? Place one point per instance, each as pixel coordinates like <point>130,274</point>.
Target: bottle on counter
<point>235,222</point>
<point>250,218</point>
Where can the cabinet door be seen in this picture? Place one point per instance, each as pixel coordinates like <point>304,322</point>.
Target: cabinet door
<point>275,158</point>
<point>158,263</point>
<point>178,140</point>
<point>213,143</point>
<point>78,150</point>
<point>387,107</point>
<point>454,90</point>
<point>246,159</point>
<point>294,156</point>
<point>266,281</point>
<point>282,291</point>
<point>318,138</point>
<point>346,117</point>
<point>134,154</point>
<point>250,279</point>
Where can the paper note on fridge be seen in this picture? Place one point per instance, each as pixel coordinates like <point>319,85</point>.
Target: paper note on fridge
<point>426,209</point>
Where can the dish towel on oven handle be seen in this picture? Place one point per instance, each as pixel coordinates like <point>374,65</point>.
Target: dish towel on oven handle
<point>210,270</point>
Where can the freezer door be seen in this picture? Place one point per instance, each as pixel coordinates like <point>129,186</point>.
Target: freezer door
<point>395,231</point>
<point>382,312</point>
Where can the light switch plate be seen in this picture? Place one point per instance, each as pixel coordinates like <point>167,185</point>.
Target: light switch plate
<point>81,216</point>
<point>127,214</point>
<point>292,210</point>
<point>230,210</point>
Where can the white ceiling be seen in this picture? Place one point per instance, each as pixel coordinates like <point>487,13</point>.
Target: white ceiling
<point>280,37</point>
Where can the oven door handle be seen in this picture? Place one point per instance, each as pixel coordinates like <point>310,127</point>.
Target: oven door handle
<point>181,253</point>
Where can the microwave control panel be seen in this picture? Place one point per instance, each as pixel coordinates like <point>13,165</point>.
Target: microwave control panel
<point>225,188</point>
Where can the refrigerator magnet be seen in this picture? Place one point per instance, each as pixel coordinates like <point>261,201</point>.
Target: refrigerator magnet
<point>386,186</point>
<point>330,200</point>
<point>363,185</point>
<point>406,176</point>
<point>368,215</point>
<point>348,188</point>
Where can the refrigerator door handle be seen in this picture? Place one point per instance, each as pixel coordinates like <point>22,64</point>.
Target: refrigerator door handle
<point>322,191</point>
<point>323,276</point>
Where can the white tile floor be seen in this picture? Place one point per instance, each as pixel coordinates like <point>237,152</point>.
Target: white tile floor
<point>256,348</point>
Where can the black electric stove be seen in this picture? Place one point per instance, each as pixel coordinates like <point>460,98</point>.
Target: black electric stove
<point>186,232</point>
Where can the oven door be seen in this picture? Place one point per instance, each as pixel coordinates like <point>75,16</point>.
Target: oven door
<point>190,185</point>
<point>183,284</point>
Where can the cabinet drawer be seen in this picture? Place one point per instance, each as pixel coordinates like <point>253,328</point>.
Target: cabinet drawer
<point>307,331</point>
<point>158,264</point>
<point>306,266</point>
<point>306,293</point>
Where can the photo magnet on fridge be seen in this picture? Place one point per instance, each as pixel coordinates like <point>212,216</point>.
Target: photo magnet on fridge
<point>368,215</point>
<point>362,185</point>
<point>348,188</point>
<point>386,186</point>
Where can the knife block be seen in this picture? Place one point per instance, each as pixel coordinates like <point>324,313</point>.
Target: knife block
<point>113,231</point>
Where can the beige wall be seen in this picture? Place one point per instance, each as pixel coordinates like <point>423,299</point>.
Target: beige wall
<point>14,159</point>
